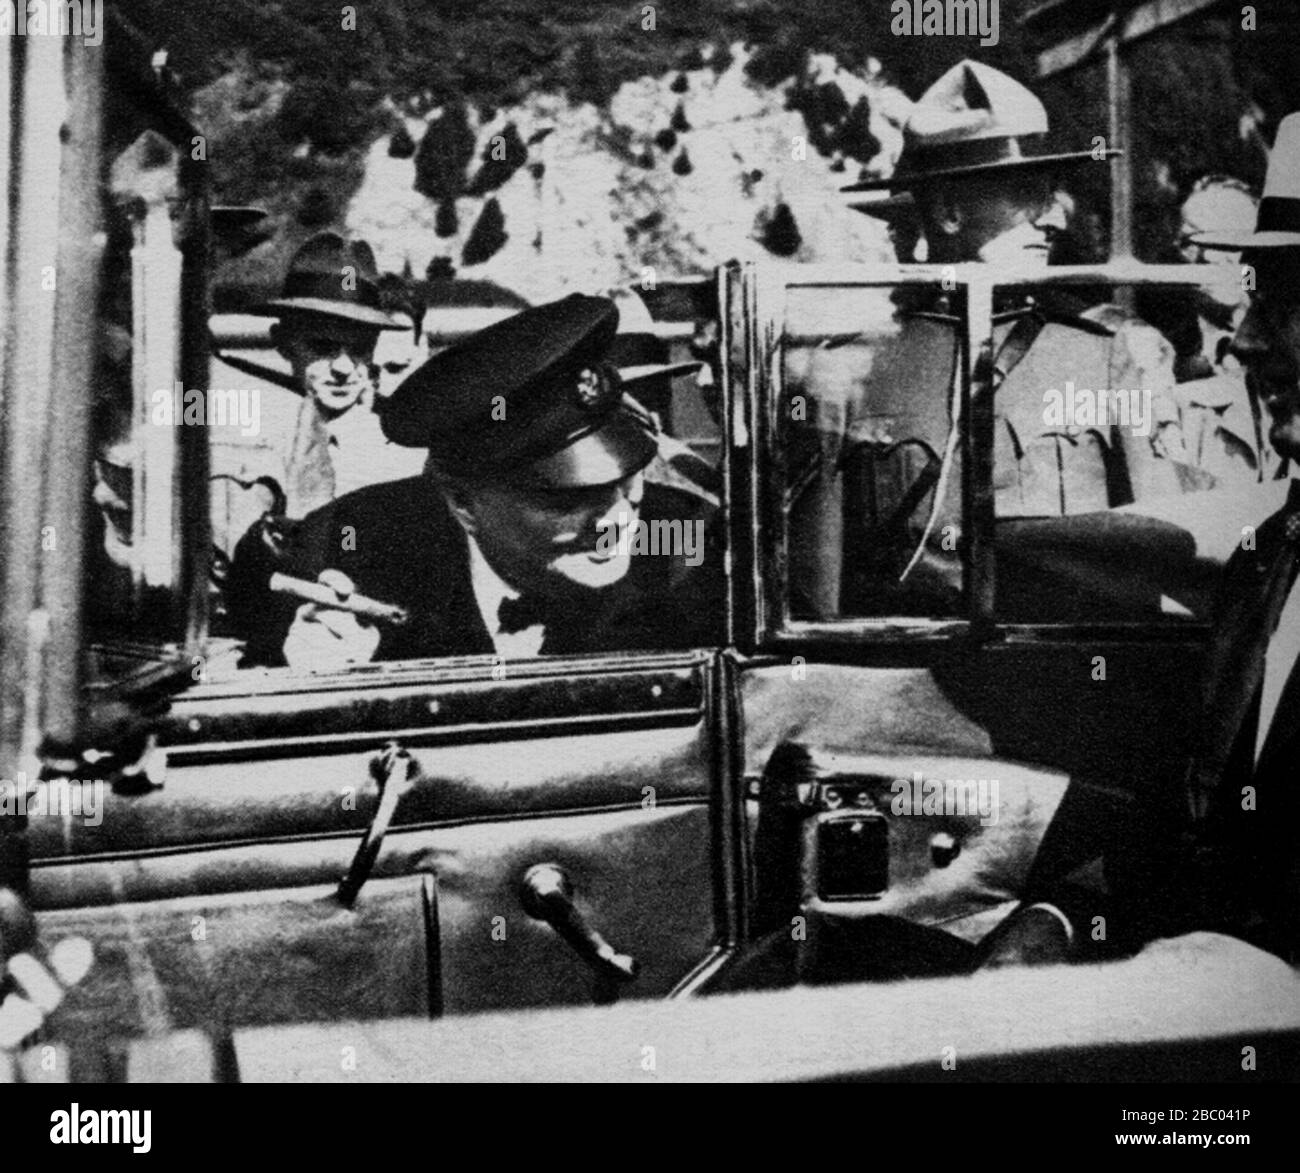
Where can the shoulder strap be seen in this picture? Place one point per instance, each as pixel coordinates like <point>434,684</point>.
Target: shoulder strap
<point>1015,346</point>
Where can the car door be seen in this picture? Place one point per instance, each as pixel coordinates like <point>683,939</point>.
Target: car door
<point>902,636</point>
<point>212,892</point>
<point>246,847</point>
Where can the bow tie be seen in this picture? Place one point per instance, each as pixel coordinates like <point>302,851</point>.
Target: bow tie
<point>517,614</point>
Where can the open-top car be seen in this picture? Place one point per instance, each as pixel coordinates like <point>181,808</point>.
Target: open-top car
<point>944,683</point>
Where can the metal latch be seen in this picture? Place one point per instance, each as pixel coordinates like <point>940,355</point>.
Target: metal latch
<point>395,771</point>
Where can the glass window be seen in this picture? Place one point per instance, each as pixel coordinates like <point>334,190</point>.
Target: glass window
<point>870,380</point>
<point>1084,475</point>
<point>1123,478</point>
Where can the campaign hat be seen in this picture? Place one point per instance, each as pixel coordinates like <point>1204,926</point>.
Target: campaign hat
<point>974,120</point>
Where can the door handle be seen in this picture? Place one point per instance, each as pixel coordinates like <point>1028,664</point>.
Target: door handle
<point>395,771</point>
<point>547,895</point>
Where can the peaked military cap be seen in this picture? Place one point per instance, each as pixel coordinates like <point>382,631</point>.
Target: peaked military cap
<point>334,278</point>
<point>974,119</point>
<point>532,399</point>
<point>1279,205</point>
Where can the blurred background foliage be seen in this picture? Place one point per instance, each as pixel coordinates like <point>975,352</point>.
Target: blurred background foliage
<point>302,100</point>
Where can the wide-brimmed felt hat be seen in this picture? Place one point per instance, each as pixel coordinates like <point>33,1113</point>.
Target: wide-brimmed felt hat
<point>334,278</point>
<point>532,399</point>
<point>1278,225</point>
<point>974,120</point>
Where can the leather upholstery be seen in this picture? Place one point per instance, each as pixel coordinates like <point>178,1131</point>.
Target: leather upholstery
<point>217,962</point>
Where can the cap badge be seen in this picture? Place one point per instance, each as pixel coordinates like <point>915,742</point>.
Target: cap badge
<point>589,388</point>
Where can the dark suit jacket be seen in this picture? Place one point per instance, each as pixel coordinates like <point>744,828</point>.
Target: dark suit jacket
<point>1190,855</point>
<point>1249,858</point>
<point>399,543</point>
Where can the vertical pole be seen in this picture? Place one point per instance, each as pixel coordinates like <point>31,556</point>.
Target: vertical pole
<point>67,488</point>
<point>193,553</point>
<point>977,455</point>
<point>39,112</point>
<point>1121,189</point>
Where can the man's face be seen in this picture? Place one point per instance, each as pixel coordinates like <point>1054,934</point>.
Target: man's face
<point>331,358</point>
<point>397,353</point>
<point>1268,344</point>
<point>1224,211</point>
<point>1008,220</point>
<point>548,541</point>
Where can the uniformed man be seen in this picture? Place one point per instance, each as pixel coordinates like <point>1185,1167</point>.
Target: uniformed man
<point>330,321</point>
<point>534,529</point>
<point>981,197</point>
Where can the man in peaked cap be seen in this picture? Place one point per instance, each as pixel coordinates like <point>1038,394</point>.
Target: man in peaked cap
<point>982,196</point>
<point>533,530</point>
<point>331,317</point>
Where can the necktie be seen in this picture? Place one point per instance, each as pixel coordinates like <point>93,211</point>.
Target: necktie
<point>517,614</point>
<point>310,471</point>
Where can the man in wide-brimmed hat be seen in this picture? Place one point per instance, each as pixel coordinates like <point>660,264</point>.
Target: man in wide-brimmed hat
<point>331,315</point>
<point>982,192</point>
<point>1224,424</point>
<point>535,528</point>
<point>982,195</point>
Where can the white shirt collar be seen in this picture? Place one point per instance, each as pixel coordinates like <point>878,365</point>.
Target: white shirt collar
<point>490,590</point>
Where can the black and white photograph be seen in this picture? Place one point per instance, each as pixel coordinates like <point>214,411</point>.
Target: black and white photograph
<point>607,542</point>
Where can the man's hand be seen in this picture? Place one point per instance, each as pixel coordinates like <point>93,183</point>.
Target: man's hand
<point>32,982</point>
<point>326,638</point>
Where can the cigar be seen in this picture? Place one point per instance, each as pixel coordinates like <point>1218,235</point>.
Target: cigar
<point>315,592</point>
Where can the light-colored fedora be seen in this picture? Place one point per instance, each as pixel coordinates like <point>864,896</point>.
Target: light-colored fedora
<point>1278,225</point>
